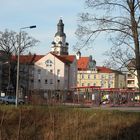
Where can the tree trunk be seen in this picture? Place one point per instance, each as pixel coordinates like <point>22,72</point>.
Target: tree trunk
<point>138,77</point>
<point>134,28</point>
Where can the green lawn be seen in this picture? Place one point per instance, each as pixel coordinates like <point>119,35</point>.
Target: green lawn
<point>65,123</point>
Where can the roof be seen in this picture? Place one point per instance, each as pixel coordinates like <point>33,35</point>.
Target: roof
<point>27,58</point>
<point>70,58</point>
<point>60,28</point>
<point>82,63</point>
<point>104,69</point>
<point>33,58</point>
<point>65,58</point>
<point>132,64</point>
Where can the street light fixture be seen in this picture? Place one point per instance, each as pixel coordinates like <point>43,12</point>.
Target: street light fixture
<point>17,82</point>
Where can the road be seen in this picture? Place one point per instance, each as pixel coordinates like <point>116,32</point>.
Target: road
<point>103,107</point>
<point>128,109</point>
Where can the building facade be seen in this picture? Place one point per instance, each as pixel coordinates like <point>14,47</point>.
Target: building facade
<point>4,71</point>
<point>91,75</point>
<point>132,81</point>
<point>54,72</point>
<point>131,78</point>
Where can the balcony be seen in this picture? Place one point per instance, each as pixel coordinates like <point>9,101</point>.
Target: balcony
<point>131,85</point>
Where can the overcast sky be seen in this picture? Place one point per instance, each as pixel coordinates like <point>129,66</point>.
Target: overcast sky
<point>45,14</point>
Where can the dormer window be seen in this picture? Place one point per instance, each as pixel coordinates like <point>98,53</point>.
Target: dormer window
<point>60,42</point>
<point>53,44</point>
<point>67,43</point>
<point>48,63</point>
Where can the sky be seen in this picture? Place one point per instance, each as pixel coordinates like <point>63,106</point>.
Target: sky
<point>45,14</point>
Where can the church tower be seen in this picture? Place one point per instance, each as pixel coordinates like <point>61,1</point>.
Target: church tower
<point>59,45</point>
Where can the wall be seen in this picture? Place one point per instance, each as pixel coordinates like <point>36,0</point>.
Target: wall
<point>46,73</point>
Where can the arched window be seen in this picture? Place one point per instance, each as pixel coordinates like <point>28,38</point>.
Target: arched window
<point>48,63</point>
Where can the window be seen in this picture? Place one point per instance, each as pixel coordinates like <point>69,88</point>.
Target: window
<point>94,84</point>
<point>32,72</point>
<point>88,76</point>
<point>88,84</point>
<point>39,71</point>
<point>51,81</point>
<point>130,82</point>
<point>102,85</point>
<point>46,81</point>
<point>102,76</point>
<point>39,80</point>
<point>94,76</point>
<point>51,71</point>
<point>82,76</point>
<point>82,84</point>
<point>46,72</point>
<point>39,76</point>
<point>58,72</point>
<point>48,63</point>
<point>110,76</point>
<point>109,85</point>
<point>130,76</point>
<point>101,82</point>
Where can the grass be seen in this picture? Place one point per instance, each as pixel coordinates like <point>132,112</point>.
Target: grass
<point>65,123</point>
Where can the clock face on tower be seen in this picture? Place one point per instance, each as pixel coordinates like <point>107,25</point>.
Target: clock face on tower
<point>57,39</point>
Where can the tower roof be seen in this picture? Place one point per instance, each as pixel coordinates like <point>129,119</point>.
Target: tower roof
<point>60,28</point>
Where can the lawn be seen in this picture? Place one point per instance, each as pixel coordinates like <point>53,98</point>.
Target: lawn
<point>65,123</point>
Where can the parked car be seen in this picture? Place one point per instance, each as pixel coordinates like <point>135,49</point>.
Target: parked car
<point>10,100</point>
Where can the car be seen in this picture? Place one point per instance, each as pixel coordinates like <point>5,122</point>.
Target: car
<point>10,100</point>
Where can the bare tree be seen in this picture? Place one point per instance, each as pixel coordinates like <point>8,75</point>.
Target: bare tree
<point>9,43</point>
<point>121,21</point>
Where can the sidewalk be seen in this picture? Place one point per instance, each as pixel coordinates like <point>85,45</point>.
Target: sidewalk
<point>105,107</point>
<point>128,109</point>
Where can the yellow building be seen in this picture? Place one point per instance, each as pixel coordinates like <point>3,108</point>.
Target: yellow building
<point>91,75</point>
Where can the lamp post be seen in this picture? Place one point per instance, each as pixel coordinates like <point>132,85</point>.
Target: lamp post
<point>17,82</point>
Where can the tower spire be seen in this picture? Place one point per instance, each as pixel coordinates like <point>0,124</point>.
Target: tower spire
<point>60,28</point>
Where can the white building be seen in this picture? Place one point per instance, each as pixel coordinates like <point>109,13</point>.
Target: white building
<point>131,78</point>
<point>132,81</point>
<point>56,70</point>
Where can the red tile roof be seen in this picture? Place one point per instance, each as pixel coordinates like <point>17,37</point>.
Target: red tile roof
<point>65,58</point>
<point>27,58</point>
<point>104,69</point>
<point>37,57</point>
<point>70,58</point>
<point>82,63</point>
<point>33,58</point>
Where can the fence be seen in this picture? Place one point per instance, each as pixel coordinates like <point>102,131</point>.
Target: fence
<point>112,96</point>
<point>48,96</point>
<point>93,96</point>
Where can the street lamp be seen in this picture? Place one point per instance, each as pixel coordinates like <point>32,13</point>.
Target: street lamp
<point>17,83</point>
